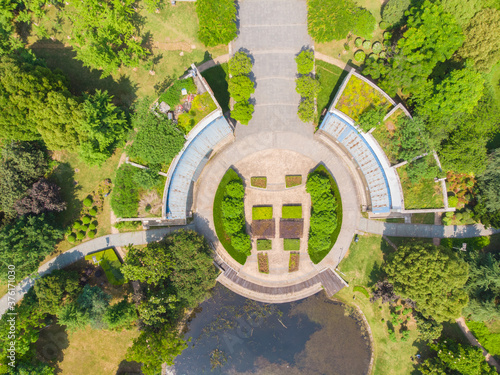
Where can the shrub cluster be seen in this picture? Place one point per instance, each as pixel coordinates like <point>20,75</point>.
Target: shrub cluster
<point>125,195</point>
<point>217,21</point>
<point>240,87</point>
<point>233,217</point>
<point>307,86</point>
<point>371,118</point>
<point>174,93</point>
<point>323,217</point>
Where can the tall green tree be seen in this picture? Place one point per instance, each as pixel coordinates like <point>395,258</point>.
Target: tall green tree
<point>217,20</point>
<point>433,277</point>
<point>102,128</point>
<point>104,34</point>
<point>149,265</point>
<point>25,243</point>
<point>463,10</point>
<point>57,289</point>
<point>482,44</point>
<point>413,137</point>
<point>240,64</point>
<point>393,11</point>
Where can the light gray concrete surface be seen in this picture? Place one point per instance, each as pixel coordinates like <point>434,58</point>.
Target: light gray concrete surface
<point>424,230</point>
<point>79,252</point>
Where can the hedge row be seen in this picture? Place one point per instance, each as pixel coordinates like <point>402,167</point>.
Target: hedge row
<point>241,87</point>
<point>323,216</point>
<point>307,86</point>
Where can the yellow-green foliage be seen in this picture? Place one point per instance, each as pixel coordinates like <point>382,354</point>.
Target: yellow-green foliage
<point>111,265</point>
<point>358,96</point>
<point>202,106</point>
<point>262,212</point>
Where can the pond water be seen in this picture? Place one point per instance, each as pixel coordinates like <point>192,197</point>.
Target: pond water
<point>234,335</point>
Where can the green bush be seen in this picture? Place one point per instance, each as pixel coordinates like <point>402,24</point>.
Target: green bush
<point>125,196</point>
<point>382,55</point>
<point>307,87</point>
<point>262,212</point>
<point>242,243</point>
<point>371,118</point>
<point>240,64</point>
<point>240,88</point>
<point>93,211</point>
<point>80,235</point>
<point>173,94</point>
<point>452,201</point>
<point>394,10</point>
<point>291,212</point>
<point>358,42</point>
<point>91,233</point>
<point>86,219</point>
<point>346,46</point>
<point>305,61</point>
<point>323,217</point>
<point>217,21</point>
<point>92,226</point>
<point>77,225</point>
<point>263,245</point>
<point>490,341</point>
<point>242,112</point>
<point>306,110</point>
<point>377,47</point>
<point>87,202</point>
<point>387,35</point>
<point>367,44</point>
<point>359,56</point>
<point>291,244</point>
<point>71,238</point>
<point>384,25</point>
<point>146,178</point>
<point>84,228</point>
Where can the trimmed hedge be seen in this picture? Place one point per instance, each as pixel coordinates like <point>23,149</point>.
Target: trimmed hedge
<point>367,44</point>
<point>305,61</point>
<point>359,56</point>
<point>291,244</point>
<point>291,212</point>
<point>263,245</point>
<point>262,212</point>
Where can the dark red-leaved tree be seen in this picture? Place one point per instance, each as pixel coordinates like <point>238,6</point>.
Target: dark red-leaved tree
<point>43,196</point>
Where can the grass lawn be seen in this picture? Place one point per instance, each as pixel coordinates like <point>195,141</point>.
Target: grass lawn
<point>330,78</point>
<point>264,245</point>
<point>400,241</point>
<point>224,238</point>
<point>424,194</point>
<point>362,267</point>
<point>216,78</point>
<point>293,180</point>
<point>358,96</point>
<point>262,212</point>
<point>93,351</point>
<point>171,31</point>
<point>110,264</point>
<point>263,260</point>
<point>260,182</point>
<point>291,244</point>
<point>427,218</point>
<point>291,212</point>
<point>317,257</point>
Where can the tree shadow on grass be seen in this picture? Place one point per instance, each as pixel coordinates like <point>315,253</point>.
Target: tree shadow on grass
<point>52,341</point>
<point>83,79</point>
<point>64,176</point>
<point>127,367</point>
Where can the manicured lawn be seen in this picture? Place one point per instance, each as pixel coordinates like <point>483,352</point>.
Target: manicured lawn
<point>263,261</point>
<point>358,96</point>
<point>317,257</point>
<point>330,78</point>
<point>110,263</point>
<point>293,180</point>
<point>362,268</point>
<point>92,351</point>
<point>264,245</point>
<point>291,212</point>
<point>260,182</point>
<point>291,244</point>
<point>225,240</point>
<point>262,212</point>
<point>173,30</point>
<point>216,78</point>
<point>427,218</point>
<point>424,194</point>
<point>293,264</point>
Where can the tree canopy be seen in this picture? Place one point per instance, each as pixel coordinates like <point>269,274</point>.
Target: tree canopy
<point>240,64</point>
<point>393,11</point>
<point>433,277</point>
<point>217,20</point>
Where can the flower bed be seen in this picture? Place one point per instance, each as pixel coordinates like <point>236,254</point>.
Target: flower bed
<point>293,265</point>
<point>291,212</point>
<point>260,182</point>
<point>263,228</point>
<point>262,212</point>
<point>263,260</point>
<point>264,244</point>
<point>291,228</point>
<point>291,244</point>
<point>358,96</point>
<point>293,180</point>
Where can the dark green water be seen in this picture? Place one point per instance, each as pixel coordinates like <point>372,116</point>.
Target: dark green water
<point>233,335</point>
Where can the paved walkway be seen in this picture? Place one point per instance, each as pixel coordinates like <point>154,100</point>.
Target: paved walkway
<point>79,252</point>
<point>472,339</point>
<point>424,230</point>
<point>211,63</point>
<point>331,60</point>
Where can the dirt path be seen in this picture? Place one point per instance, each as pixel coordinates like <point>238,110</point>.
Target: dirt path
<point>489,358</point>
